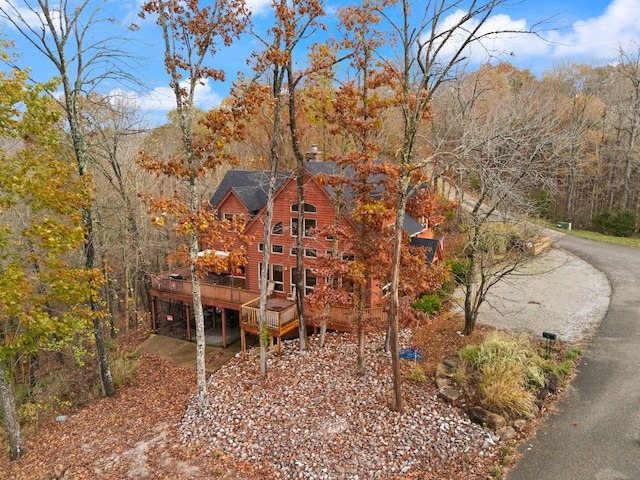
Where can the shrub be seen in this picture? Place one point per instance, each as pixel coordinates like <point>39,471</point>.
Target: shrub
<point>416,375</point>
<point>429,304</point>
<point>124,368</point>
<point>459,269</point>
<point>619,225</point>
<point>506,372</point>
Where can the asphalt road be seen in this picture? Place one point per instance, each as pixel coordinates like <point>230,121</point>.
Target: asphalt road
<point>596,434</point>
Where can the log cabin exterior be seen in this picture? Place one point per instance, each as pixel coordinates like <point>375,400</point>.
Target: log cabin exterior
<point>243,195</point>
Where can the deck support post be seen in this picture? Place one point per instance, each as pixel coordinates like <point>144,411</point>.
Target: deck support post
<point>188,322</point>
<point>153,315</point>
<point>243,344</point>
<point>224,327</point>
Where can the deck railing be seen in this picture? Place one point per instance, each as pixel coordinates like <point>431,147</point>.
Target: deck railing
<point>342,318</point>
<point>276,320</point>
<point>208,291</point>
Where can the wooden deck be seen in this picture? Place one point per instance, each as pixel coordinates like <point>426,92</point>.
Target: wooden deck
<point>281,318</point>
<point>281,315</point>
<point>177,285</point>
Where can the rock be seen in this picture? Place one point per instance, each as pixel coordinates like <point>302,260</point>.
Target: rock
<point>506,433</point>
<point>61,418</point>
<point>519,424</point>
<point>552,383</point>
<point>449,395</point>
<point>442,371</point>
<point>484,417</point>
<point>450,362</point>
<point>443,382</point>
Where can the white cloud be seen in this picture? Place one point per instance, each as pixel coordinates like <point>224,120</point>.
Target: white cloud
<point>594,39</point>
<point>162,99</point>
<point>258,6</point>
<point>499,36</point>
<point>24,14</point>
<point>600,37</point>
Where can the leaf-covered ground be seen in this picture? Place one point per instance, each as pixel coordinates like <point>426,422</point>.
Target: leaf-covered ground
<point>132,435</point>
<point>135,434</point>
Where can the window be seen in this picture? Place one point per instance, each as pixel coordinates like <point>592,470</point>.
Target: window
<point>348,257</point>
<point>294,251</point>
<point>275,274</point>
<point>277,229</point>
<point>310,281</point>
<point>310,225</point>
<point>277,249</point>
<point>307,208</point>
<point>310,252</point>
<point>261,247</point>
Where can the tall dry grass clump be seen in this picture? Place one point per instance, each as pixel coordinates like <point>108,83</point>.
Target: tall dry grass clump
<point>505,372</point>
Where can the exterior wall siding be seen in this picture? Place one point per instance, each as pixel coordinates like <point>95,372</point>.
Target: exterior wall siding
<point>286,197</point>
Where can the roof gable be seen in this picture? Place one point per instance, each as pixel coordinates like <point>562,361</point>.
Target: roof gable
<point>249,186</point>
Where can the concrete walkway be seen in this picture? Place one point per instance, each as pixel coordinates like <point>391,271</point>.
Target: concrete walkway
<point>596,434</point>
<point>183,353</point>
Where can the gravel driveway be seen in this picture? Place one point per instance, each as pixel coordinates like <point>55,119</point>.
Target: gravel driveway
<point>556,292</point>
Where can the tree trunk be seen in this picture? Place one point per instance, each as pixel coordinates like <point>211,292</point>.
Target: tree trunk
<point>300,171</point>
<point>398,404</point>
<point>203,399</point>
<point>360,367</point>
<point>10,413</point>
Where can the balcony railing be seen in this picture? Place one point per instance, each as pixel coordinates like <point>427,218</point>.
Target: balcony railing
<point>179,282</point>
<point>279,319</point>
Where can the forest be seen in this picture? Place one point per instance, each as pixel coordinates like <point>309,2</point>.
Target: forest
<point>94,200</point>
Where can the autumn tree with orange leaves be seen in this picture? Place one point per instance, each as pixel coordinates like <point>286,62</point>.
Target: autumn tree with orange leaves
<point>192,36</point>
<point>365,185</point>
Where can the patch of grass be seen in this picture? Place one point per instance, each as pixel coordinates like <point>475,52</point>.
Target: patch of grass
<point>495,472</point>
<point>416,375</point>
<point>573,354</point>
<point>124,367</point>
<point>506,371</point>
<point>626,241</point>
<point>506,453</point>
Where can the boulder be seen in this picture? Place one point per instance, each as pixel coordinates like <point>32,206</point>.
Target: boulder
<point>484,417</point>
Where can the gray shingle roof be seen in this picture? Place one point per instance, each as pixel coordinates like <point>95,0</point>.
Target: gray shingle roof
<point>251,187</point>
<point>430,245</point>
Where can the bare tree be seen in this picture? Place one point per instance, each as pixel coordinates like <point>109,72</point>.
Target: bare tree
<point>508,149</point>
<point>629,111</point>
<point>432,43</point>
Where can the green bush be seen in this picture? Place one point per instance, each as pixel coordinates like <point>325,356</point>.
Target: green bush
<point>429,304</point>
<point>459,269</point>
<point>619,225</point>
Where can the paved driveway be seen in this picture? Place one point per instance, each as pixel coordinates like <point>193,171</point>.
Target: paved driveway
<point>596,434</point>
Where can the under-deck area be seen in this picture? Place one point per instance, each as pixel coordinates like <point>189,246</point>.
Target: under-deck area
<point>231,311</point>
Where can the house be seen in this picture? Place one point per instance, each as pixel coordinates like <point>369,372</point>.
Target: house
<point>243,195</point>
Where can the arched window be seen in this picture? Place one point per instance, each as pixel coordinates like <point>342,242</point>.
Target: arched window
<point>308,208</point>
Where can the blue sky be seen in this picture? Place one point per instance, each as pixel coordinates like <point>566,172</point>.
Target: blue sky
<point>577,31</point>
